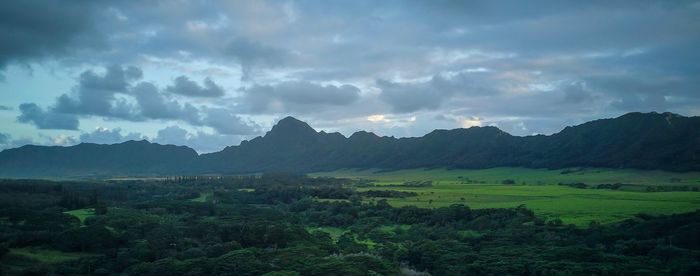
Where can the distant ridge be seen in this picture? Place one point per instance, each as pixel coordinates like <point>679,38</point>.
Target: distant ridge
<point>663,141</point>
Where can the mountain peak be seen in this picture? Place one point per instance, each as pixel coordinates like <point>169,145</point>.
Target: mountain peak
<point>290,126</point>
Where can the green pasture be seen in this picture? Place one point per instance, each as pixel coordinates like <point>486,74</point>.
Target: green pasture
<point>523,176</point>
<point>537,189</point>
<point>82,214</point>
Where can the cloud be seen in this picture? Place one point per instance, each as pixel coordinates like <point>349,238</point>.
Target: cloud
<point>63,140</point>
<point>156,105</point>
<point>544,64</point>
<point>103,135</point>
<point>184,86</point>
<point>7,142</point>
<point>200,141</point>
<point>4,138</point>
<point>35,29</point>
<point>411,96</point>
<point>96,94</point>
<point>251,54</point>
<point>378,118</point>
<point>577,93</point>
<point>173,135</point>
<point>226,122</point>
<point>471,122</point>
<point>33,114</point>
<point>298,97</point>
<point>405,98</point>
<point>5,108</point>
<point>115,95</point>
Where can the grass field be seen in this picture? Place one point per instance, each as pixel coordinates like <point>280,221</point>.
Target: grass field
<point>537,189</point>
<point>19,259</point>
<point>203,197</point>
<point>82,214</point>
<point>524,176</point>
<point>48,255</point>
<point>334,232</point>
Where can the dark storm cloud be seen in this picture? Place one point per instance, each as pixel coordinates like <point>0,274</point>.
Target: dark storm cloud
<point>34,29</point>
<point>184,86</point>
<point>298,97</point>
<point>34,114</point>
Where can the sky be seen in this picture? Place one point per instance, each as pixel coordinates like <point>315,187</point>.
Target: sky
<point>209,74</point>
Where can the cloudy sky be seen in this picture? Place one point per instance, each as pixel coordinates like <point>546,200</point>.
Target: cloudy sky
<point>208,74</point>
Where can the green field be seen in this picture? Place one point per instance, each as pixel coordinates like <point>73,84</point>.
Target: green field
<point>82,214</point>
<point>203,197</point>
<point>537,189</point>
<point>334,232</point>
<point>19,259</point>
<point>48,255</point>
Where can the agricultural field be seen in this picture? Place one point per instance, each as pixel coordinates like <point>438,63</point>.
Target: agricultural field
<point>539,190</point>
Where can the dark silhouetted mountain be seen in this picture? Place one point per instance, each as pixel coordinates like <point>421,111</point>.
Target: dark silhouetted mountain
<point>636,140</point>
<point>291,145</point>
<point>86,159</point>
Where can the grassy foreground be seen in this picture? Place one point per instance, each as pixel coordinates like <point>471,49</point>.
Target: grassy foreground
<point>538,190</point>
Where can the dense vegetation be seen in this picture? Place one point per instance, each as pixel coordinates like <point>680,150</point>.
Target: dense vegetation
<point>635,140</point>
<point>290,225</point>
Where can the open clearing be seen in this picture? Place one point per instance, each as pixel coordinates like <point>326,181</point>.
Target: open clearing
<point>537,189</point>
<point>82,214</point>
<point>203,197</point>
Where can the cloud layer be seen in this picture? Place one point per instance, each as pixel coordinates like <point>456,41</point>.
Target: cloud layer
<point>228,69</point>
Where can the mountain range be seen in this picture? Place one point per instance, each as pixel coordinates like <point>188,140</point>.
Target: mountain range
<point>664,141</point>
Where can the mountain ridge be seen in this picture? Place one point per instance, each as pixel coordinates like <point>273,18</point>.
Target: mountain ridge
<point>664,141</point>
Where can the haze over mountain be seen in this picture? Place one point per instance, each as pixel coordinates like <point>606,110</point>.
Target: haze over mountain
<point>635,140</point>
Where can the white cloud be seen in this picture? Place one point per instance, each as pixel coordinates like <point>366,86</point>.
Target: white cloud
<point>471,122</point>
<point>378,118</point>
